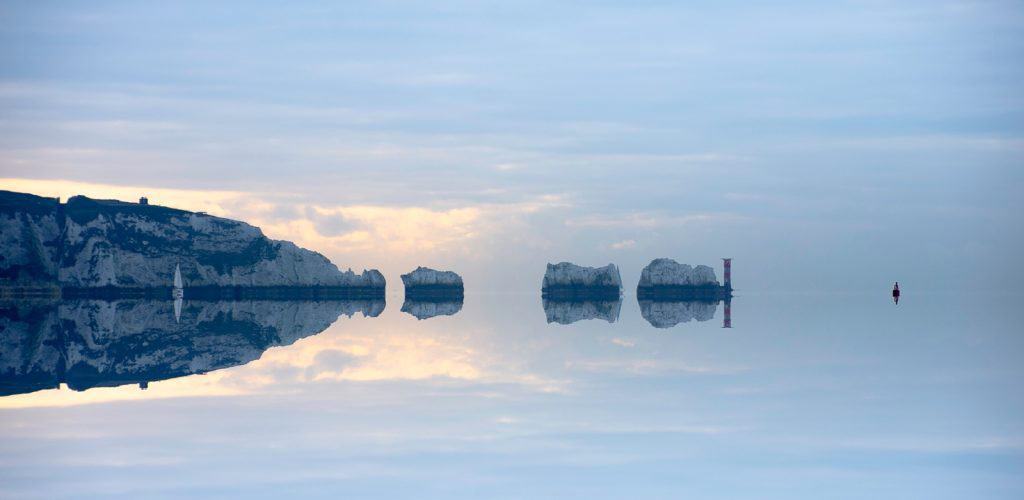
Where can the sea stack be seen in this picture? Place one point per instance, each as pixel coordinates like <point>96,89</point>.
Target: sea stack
<point>429,284</point>
<point>666,279</point>
<point>567,281</point>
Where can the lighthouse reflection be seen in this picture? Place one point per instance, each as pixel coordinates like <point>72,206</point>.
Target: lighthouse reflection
<point>669,313</point>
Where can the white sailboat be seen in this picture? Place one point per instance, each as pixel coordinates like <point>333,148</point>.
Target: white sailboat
<point>178,293</point>
<point>177,278</point>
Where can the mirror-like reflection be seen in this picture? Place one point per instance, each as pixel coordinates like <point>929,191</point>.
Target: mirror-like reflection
<point>669,313</point>
<point>404,407</point>
<point>93,343</point>
<point>565,312</point>
<point>425,309</point>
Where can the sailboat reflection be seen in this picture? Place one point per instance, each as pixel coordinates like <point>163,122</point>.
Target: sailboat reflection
<point>93,343</point>
<point>565,312</point>
<point>666,314</point>
<point>177,293</point>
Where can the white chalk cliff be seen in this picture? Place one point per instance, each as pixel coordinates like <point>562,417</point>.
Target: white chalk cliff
<point>424,276</point>
<point>565,274</point>
<point>95,243</point>
<point>30,237</point>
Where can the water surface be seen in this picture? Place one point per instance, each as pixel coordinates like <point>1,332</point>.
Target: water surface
<point>841,395</point>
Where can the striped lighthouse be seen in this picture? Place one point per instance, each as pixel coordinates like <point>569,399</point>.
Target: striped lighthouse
<point>727,271</point>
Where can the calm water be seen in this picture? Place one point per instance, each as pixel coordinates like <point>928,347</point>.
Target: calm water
<point>812,396</point>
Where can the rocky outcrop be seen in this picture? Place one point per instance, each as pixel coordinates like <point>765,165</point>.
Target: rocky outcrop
<point>88,243</point>
<point>108,343</point>
<point>566,312</point>
<point>422,309</point>
<point>668,279</point>
<point>30,240</point>
<point>425,276</point>
<point>666,314</point>
<point>669,272</point>
<point>426,283</point>
<point>568,281</point>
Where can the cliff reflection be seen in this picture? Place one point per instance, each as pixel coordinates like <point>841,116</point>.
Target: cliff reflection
<point>566,312</point>
<point>91,343</point>
<point>666,314</point>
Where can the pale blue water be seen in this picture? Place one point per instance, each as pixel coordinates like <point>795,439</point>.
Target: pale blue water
<point>806,396</point>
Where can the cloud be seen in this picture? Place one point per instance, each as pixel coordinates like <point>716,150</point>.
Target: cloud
<point>391,238</point>
<point>650,366</point>
<point>452,79</point>
<point>623,245</point>
<point>1013,145</point>
<point>509,167</point>
<point>650,220</point>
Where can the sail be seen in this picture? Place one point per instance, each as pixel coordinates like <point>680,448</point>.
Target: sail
<point>177,276</point>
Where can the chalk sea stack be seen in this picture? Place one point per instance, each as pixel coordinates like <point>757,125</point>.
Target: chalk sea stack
<point>666,279</point>
<point>91,248</point>
<point>427,284</point>
<point>567,281</point>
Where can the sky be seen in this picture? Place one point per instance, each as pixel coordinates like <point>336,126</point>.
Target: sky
<point>829,148</point>
<point>837,146</point>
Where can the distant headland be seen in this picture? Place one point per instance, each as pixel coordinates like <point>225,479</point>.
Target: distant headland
<point>110,249</point>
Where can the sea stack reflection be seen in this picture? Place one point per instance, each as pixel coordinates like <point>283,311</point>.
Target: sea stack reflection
<point>425,309</point>
<point>666,314</point>
<point>566,312</point>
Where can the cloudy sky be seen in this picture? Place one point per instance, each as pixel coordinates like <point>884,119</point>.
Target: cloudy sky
<point>833,146</point>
